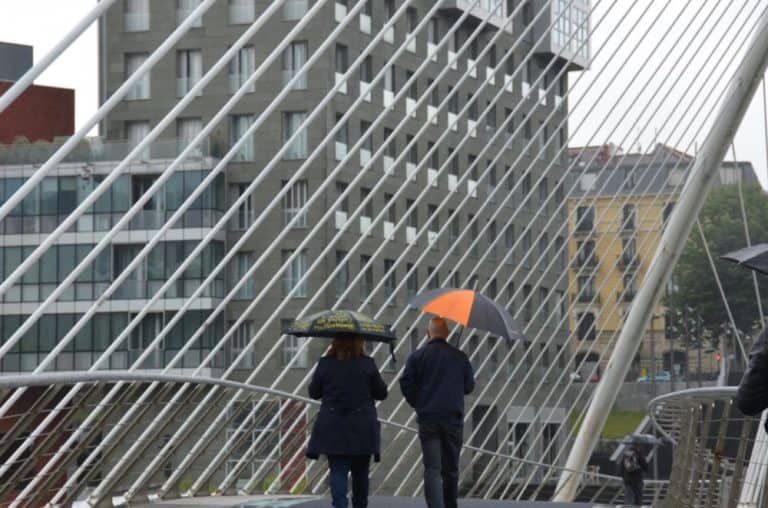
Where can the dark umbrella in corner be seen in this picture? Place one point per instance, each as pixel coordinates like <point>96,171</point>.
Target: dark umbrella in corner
<point>332,323</point>
<point>754,257</point>
<point>469,309</point>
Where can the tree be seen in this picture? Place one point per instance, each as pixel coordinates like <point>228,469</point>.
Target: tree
<point>721,221</point>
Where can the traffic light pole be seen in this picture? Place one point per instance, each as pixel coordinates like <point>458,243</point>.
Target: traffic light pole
<point>739,94</point>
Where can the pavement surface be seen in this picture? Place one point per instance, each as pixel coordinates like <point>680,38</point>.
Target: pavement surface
<point>316,502</point>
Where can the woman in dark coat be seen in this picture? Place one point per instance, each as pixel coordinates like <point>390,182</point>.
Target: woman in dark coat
<point>347,428</point>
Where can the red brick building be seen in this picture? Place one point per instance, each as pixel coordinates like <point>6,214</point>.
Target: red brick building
<point>41,112</point>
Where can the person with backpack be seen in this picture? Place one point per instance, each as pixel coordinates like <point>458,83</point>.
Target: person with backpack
<point>631,468</point>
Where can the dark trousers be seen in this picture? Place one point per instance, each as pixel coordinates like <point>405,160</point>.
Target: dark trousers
<point>341,466</point>
<point>633,493</point>
<point>440,447</point>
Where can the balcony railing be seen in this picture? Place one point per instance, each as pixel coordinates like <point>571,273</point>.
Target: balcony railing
<point>586,297</point>
<point>625,296</point>
<point>586,226</point>
<point>585,261</point>
<point>628,226</point>
<point>97,150</point>
<point>629,261</point>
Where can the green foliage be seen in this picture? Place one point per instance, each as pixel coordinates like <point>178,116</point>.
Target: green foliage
<point>723,227</point>
<point>618,425</point>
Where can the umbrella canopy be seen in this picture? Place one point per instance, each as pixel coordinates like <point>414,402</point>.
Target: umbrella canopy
<point>331,323</point>
<point>468,308</point>
<point>636,438</point>
<point>754,257</point>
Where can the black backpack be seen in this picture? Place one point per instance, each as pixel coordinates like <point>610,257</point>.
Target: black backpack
<point>630,462</point>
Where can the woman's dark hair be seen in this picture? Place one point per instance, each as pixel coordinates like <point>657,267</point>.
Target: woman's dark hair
<point>346,347</point>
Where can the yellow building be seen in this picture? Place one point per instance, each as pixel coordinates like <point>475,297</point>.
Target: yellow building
<point>617,214</point>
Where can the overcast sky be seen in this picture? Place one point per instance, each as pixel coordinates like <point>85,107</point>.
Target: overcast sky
<point>41,23</point>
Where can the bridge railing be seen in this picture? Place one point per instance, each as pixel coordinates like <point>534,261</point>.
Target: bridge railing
<point>266,438</point>
<point>720,455</point>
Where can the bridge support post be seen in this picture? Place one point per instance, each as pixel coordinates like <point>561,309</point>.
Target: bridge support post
<point>729,117</point>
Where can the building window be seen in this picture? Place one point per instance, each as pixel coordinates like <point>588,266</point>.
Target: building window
<point>293,204</point>
<point>294,348</point>
<point>187,130</point>
<point>630,290</point>
<point>294,58</point>
<point>184,9</point>
<point>241,263</point>
<point>293,273</point>
<point>560,307</point>
<point>543,251</point>
<point>189,70</point>
<point>628,217</point>
<point>135,132</point>
<point>341,65</point>
<point>141,90</point>
<point>412,283</point>
<point>586,288</point>
<point>433,278</point>
<point>544,303</point>
<point>526,247</point>
<point>454,227</point>
<point>389,11</point>
<point>667,211</point>
<point>342,276</point>
<point>390,279</point>
<point>491,237</point>
<point>473,234</point>
<point>238,125</point>
<point>525,191</point>
<point>490,119</point>
<point>242,11</point>
<point>292,123</point>
<point>295,9</point>
<point>390,79</point>
<point>391,142</point>
<point>342,138</point>
<point>136,16</point>
<point>366,284</point>
<point>585,218</point>
<point>242,67</point>
<point>586,326</point>
<point>527,304</point>
<point>509,243</point>
<point>246,212</point>
<point>543,195</point>
<point>629,250</point>
<point>412,15</point>
<point>238,343</point>
<point>562,253</point>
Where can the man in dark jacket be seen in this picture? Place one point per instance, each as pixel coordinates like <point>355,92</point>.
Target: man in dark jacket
<point>436,378</point>
<point>632,465</point>
<point>752,397</point>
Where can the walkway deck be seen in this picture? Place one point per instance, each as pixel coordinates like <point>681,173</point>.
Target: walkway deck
<point>375,502</point>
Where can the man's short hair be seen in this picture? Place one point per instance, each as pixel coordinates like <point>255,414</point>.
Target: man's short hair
<point>438,328</point>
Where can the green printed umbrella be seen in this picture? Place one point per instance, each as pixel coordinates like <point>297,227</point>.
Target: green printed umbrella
<point>332,323</point>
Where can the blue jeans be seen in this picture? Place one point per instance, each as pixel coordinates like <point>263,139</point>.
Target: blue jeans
<point>440,447</point>
<point>341,466</point>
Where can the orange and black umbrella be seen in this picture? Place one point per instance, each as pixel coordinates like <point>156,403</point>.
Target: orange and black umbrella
<point>468,308</point>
